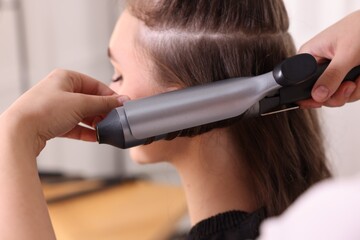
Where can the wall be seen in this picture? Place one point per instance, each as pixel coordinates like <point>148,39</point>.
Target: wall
<point>75,35</point>
<point>9,69</point>
<point>62,34</point>
<point>71,35</point>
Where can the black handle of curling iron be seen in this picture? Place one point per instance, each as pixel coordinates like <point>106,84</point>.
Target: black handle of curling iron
<point>303,90</point>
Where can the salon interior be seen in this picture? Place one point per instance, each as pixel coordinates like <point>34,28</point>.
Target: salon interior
<point>96,191</point>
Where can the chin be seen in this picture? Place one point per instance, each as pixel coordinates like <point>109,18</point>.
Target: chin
<point>161,151</point>
<point>145,154</point>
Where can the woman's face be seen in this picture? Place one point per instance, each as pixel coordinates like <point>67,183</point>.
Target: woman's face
<point>132,77</point>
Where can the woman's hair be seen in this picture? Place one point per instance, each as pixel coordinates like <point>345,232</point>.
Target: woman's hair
<point>192,42</point>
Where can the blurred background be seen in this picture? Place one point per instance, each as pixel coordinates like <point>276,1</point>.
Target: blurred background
<point>37,36</point>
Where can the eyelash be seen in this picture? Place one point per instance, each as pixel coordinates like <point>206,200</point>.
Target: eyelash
<point>119,78</point>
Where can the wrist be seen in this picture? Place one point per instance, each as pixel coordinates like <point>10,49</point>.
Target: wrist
<point>18,134</point>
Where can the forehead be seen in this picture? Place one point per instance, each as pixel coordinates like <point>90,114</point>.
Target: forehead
<point>122,41</point>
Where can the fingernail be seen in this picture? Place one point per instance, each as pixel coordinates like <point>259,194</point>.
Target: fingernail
<point>321,93</point>
<point>349,91</point>
<point>123,99</point>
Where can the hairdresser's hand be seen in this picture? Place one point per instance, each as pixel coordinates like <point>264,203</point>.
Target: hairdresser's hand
<point>56,105</point>
<point>339,43</point>
<point>52,108</point>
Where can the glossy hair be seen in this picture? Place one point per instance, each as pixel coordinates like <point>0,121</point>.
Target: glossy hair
<point>192,42</point>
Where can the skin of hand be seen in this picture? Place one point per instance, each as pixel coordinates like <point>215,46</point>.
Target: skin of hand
<point>52,108</point>
<point>56,105</point>
<point>340,44</point>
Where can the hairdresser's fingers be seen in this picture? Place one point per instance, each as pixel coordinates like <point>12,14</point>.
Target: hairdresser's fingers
<point>75,109</point>
<point>88,85</point>
<point>355,96</point>
<point>81,133</point>
<point>309,103</point>
<point>337,44</point>
<point>342,95</point>
<point>64,121</point>
<point>97,105</point>
<point>92,121</point>
<point>79,83</point>
<point>89,121</point>
<point>338,99</point>
<point>331,79</point>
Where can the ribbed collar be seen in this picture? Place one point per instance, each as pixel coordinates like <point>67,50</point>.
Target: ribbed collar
<point>237,222</point>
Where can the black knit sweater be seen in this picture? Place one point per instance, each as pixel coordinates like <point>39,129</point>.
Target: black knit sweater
<point>234,225</point>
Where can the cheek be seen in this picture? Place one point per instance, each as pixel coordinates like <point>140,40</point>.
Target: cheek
<point>115,87</point>
<point>134,90</point>
<point>125,89</point>
<point>122,89</point>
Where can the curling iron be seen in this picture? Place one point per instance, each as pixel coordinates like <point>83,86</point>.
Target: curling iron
<point>156,116</point>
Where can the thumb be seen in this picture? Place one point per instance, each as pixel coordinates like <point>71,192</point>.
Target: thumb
<point>97,105</point>
<point>330,80</point>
